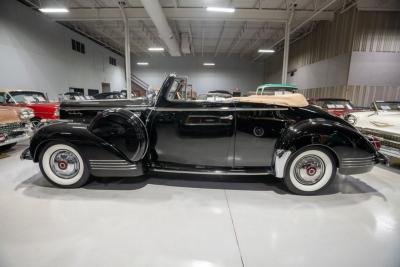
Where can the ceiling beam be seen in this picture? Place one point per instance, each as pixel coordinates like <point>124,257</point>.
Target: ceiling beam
<point>273,15</point>
<point>221,36</point>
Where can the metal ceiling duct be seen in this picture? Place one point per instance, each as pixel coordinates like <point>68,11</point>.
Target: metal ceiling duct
<point>154,10</point>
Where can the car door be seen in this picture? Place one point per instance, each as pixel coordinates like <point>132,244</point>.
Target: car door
<point>257,130</point>
<point>198,133</point>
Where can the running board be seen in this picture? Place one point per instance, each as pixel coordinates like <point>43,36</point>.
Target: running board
<point>214,172</point>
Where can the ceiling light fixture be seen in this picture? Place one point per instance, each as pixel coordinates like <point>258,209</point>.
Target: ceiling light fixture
<point>143,63</point>
<point>208,64</point>
<point>156,49</point>
<point>266,51</point>
<point>220,9</point>
<point>54,10</point>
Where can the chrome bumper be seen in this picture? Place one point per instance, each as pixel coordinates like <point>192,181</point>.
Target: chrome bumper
<point>380,158</point>
<point>19,138</point>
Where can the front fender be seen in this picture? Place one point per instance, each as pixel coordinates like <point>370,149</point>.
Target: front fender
<point>90,145</point>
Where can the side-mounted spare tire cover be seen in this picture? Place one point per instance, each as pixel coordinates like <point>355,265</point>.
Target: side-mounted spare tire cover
<point>124,130</point>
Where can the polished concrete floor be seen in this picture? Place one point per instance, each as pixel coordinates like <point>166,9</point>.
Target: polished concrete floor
<point>196,222</point>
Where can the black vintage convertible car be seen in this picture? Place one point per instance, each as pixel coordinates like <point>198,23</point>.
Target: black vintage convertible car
<point>257,135</point>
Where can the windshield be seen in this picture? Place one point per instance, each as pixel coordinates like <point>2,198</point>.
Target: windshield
<point>276,90</point>
<point>28,97</point>
<point>389,106</point>
<point>334,104</point>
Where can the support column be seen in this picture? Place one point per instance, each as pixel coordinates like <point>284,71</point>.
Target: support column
<point>127,54</point>
<point>286,47</point>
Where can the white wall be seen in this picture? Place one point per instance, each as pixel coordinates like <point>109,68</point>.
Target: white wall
<point>228,73</point>
<point>329,72</point>
<point>374,69</point>
<point>36,54</point>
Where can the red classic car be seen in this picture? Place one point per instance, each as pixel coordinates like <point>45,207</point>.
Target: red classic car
<point>335,106</point>
<point>43,108</point>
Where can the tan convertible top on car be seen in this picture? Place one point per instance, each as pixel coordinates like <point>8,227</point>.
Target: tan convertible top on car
<point>287,100</point>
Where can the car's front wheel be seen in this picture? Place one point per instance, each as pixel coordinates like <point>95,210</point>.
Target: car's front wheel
<point>310,170</point>
<point>63,166</point>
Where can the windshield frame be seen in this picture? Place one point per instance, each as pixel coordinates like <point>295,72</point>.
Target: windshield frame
<point>13,94</point>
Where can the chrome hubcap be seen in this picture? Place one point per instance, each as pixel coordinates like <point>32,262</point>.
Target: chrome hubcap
<point>309,170</point>
<point>64,164</point>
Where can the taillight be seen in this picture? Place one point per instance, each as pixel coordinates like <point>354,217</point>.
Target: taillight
<point>375,141</point>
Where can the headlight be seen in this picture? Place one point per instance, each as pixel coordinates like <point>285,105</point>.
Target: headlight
<point>26,114</point>
<point>350,118</point>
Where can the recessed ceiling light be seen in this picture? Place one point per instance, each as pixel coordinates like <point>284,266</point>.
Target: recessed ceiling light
<point>156,48</point>
<point>54,10</point>
<point>266,51</point>
<point>143,63</point>
<point>220,9</point>
<point>208,64</point>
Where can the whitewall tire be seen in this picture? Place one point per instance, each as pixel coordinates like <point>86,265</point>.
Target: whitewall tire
<point>63,166</point>
<point>310,170</point>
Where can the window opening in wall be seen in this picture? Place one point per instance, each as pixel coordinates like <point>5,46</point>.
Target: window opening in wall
<point>113,61</point>
<point>78,46</point>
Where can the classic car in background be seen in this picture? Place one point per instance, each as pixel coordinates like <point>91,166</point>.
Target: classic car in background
<point>38,101</point>
<point>111,95</point>
<point>276,88</point>
<point>335,106</point>
<point>215,95</point>
<point>74,96</point>
<point>381,120</point>
<point>14,125</point>
<point>280,135</point>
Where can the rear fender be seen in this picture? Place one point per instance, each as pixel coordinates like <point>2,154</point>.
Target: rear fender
<point>343,141</point>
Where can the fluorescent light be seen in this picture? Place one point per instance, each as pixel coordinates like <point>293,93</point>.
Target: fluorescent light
<point>143,63</point>
<point>156,49</point>
<point>266,51</point>
<point>54,10</point>
<point>220,9</point>
<point>208,64</point>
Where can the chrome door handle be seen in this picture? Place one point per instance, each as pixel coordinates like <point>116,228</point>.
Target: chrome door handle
<point>229,117</point>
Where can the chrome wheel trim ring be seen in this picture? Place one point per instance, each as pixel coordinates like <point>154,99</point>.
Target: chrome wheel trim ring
<point>258,131</point>
<point>309,169</point>
<point>64,163</point>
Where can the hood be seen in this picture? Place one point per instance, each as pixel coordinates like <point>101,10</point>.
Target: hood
<point>9,115</point>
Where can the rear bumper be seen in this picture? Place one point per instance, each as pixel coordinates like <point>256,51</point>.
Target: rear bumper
<point>380,158</point>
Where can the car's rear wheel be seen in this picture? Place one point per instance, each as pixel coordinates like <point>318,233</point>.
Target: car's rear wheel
<point>310,171</point>
<point>63,166</point>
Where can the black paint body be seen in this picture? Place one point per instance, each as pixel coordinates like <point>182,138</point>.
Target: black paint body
<point>204,136</point>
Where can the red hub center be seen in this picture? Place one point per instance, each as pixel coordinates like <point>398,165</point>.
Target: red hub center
<point>311,171</point>
<point>62,165</point>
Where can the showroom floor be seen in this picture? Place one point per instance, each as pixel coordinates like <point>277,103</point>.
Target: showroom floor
<point>199,223</point>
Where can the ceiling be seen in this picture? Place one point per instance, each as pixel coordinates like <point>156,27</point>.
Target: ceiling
<point>255,24</point>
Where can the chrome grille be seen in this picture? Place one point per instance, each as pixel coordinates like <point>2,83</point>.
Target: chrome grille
<point>10,127</point>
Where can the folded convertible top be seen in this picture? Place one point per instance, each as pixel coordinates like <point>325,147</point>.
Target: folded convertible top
<point>287,100</point>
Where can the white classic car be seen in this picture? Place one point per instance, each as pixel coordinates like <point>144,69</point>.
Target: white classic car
<point>382,120</point>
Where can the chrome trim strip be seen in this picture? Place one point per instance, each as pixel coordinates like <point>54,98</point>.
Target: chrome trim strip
<point>17,139</point>
<point>114,169</point>
<point>113,166</point>
<point>281,157</point>
<point>218,109</point>
<point>210,172</point>
<point>107,160</point>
